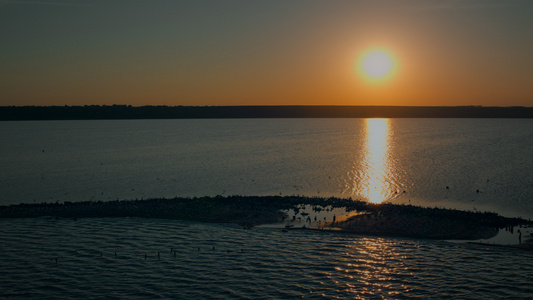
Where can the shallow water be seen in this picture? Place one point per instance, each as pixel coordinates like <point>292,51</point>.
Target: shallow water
<point>219,261</point>
<point>473,164</point>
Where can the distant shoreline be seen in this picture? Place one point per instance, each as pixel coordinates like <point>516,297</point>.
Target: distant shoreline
<point>125,112</point>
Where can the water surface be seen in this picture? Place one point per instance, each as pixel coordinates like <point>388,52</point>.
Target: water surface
<point>178,259</point>
<point>474,164</point>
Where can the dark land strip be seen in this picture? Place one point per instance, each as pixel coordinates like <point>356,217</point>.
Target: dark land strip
<point>375,219</point>
<point>102,112</point>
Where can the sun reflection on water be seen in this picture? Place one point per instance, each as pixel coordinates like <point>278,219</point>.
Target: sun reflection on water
<point>376,167</point>
<point>373,267</point>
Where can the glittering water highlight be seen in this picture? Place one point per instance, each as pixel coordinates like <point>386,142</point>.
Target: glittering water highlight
<point>377,160</point>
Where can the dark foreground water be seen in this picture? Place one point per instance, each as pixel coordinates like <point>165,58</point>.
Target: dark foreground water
<point>66,259</point>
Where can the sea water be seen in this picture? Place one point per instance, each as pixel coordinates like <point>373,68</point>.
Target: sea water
<point>123,258</point>
<point>475,164</point>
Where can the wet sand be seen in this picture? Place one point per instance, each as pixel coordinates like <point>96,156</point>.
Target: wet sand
<point>327,214</point>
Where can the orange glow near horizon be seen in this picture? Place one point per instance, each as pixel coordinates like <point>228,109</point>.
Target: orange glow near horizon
<point>377,148</point>
<point>402,53</point>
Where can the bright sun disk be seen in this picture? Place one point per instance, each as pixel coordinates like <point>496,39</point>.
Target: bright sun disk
<point>376,65</point>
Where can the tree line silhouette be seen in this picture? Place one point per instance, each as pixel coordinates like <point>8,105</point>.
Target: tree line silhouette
<point>101,112</point>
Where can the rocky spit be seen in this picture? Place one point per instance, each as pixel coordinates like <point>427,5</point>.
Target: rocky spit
<point>375,219</point>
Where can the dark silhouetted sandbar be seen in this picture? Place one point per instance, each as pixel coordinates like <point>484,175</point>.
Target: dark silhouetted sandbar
<point>97,112</point>
<point>378,219</point>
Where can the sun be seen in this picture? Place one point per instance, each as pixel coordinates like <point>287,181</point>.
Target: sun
<point>376,65</point>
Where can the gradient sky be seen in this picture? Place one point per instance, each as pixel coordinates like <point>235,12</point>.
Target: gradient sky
<point>275,52</point>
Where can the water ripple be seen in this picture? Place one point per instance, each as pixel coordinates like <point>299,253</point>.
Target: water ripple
<point>144,258</point>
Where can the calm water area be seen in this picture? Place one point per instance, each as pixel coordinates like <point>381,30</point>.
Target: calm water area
<point>473,164</point>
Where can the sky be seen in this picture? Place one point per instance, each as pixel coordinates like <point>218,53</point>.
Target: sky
<point>275,52</point>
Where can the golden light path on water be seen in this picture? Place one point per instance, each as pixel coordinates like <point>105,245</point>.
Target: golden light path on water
<point>377,148</point>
